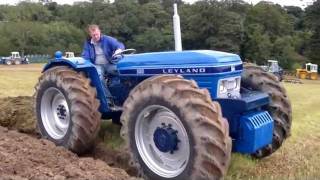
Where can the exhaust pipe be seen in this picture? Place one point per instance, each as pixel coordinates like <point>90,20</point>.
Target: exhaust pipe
<point>177,29</point>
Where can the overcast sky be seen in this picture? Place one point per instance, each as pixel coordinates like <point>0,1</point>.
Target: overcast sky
<point>301,3</point>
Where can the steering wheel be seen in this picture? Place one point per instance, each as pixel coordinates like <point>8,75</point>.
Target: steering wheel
<point>121,53</point>
<point>117,56</point>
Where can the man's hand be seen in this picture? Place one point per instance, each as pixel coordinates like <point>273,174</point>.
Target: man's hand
<point>118,51</point>
<point>116,56</point>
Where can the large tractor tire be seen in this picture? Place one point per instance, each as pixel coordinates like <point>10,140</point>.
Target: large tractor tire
<point>174,131</point>
<point>67,109</point>
<point>254,78</point>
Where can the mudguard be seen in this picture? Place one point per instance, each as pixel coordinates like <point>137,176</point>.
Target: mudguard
<point>82,65</point>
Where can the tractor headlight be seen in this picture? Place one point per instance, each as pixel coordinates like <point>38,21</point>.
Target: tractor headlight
<point>222,88</point>
<point>229,87</point>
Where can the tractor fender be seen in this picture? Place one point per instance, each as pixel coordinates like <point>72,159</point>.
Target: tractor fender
<point>82,65</point>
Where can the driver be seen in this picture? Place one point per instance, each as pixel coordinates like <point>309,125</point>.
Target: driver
<point>99,48</point>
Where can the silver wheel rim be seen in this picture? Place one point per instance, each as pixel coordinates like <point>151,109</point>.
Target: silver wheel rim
<point>55,113</point>
<point>166,165</point>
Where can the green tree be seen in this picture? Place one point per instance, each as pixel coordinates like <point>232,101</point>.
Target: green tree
<point>209,25</point>
<point>257,47</point>
<point>296,14</point>
<point>312,20</point>
<point>257,33</point>
<point>313,46</point>
<point>268,35</point>
<point>272,18</point>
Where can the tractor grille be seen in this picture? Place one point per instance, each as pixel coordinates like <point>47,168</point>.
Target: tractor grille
<point>256,130</point>
<point>260,119</point>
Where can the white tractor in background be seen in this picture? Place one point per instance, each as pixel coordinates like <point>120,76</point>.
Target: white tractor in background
<point>15,58</point>
<point>69,55</point>
<point>274,68</point>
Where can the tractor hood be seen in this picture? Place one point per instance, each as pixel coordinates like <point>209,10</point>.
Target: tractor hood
<point>179,62</point>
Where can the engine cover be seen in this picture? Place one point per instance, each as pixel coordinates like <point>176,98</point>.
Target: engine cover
<point>206,67</point>
<point>182,62</point>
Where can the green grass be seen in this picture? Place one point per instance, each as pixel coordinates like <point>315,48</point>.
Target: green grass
<point>298,158</point>
<point>18,80</point>
<point>110,134</point>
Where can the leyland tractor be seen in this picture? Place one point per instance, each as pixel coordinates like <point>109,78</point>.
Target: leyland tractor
<point>182,112</point>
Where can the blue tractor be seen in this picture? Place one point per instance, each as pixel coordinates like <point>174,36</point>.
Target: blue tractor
<point>182,113</point>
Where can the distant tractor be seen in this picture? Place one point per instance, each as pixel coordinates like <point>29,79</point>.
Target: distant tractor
<point>14,59</point>
<point>182,112</point>
<point>309,72</point>
<point>69,55</point>
<point>274,68</point>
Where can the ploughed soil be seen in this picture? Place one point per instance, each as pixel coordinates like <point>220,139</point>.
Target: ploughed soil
<point>17,113</point>
<point>23,155</point>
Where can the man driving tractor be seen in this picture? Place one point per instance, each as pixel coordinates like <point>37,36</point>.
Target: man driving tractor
<point>100,48</point>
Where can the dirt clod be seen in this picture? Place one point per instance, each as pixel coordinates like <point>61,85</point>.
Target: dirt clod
<point>26,157</point>
<point>17,113</point>
<point>41,159</point>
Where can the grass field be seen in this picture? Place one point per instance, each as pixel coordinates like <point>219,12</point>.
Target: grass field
<point>18,80</point>
<point>299,158</point>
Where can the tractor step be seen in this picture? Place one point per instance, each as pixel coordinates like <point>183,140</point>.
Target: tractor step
<point>116,108</point>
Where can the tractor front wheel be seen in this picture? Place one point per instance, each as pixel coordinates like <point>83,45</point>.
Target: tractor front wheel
<point>173,130</point>
<point>8,62</point>
<point>67,109</point>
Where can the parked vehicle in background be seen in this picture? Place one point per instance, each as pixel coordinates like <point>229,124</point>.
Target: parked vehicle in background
<point>14,59</point>
<point>309,72</point>
<point>274,68</point>
<point>69,55</point>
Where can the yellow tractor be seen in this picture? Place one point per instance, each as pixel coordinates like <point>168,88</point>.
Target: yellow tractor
<point>310,72</point>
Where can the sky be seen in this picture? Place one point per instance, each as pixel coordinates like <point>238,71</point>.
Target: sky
<point>301,3</point>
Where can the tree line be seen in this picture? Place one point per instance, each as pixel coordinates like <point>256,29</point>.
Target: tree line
<point>257,33</point>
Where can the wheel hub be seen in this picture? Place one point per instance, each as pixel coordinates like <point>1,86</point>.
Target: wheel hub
<point>166,139</point>
<point>61,112</point>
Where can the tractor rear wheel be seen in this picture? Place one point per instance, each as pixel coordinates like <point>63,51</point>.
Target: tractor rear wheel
<point>255,78</point>
<point>17,61</point>
<point>67,109</point>
<point>173,130</point>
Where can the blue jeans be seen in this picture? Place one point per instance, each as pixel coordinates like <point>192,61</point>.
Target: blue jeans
<point>104,69</point>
